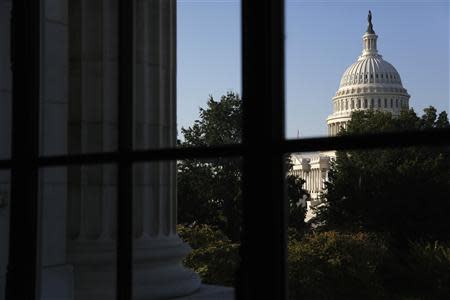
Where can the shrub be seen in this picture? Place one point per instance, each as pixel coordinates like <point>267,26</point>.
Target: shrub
<point>214,257</point>
<point>428,270</point>
<point>332,265</point>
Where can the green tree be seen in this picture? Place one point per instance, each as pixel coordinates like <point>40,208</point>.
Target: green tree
<point>296,197</point>
<point>403,192</point>
<point>334,265</point>
<point>214,257</point>
<point>209,191</point>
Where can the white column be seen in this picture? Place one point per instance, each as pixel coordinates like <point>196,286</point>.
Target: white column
<point>315,180</point>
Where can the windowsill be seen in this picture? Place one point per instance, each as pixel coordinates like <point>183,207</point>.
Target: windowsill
<point>207,292</point>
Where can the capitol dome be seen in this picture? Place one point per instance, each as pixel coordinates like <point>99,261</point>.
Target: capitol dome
<point>369,83</point>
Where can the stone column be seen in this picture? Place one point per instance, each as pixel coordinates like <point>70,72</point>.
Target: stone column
<point>158,250</point>
<point>92,190</point>
<point>314,180</point>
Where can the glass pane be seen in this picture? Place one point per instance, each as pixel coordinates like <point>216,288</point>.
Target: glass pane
<point>79,77</point>
<point>187,212</point>
<point>338,65</point>
<point>369,224</point>
<point>80,74</point>
<point>208,72</point>
<point>78,232</point>
<point>4,227</point>
<point>5,80</point>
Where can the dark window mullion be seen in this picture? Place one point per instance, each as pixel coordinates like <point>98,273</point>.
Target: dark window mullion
<point>125,172</point>
<point>24,255</point>
<point>264,208</point>
<point>385,140</point>
<point>431,138</point>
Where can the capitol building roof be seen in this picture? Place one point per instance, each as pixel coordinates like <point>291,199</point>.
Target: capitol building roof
<point>373,69</point>
<point>369,83</point>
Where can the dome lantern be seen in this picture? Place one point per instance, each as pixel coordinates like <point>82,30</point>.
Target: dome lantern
<point>369,40</point>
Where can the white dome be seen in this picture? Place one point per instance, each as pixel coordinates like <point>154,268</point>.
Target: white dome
<point>369,83</point>
<point>370,69</point>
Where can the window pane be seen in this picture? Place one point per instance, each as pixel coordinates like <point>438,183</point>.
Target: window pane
<point>188,212</point>
<point>369,224</point>
<point>5,81</point>
<point>337,64</point>
<point>78,232</point>
<point>209,72</point>
<point>80,74</point>
<point>4,227</point>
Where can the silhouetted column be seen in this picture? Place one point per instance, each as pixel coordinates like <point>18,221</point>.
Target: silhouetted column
<point>155,183</point>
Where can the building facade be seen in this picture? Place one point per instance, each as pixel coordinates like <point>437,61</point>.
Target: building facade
<point>370,83</point>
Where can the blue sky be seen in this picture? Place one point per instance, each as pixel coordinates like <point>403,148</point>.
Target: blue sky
<point>322,39</point>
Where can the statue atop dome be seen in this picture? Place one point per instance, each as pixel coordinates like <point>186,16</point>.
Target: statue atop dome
<point>370,26</point>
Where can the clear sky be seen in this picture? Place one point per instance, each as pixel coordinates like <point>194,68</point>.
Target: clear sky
<point>322,39</point>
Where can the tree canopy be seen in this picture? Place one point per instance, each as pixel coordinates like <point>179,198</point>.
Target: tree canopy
<point>403,192</point>
<point>209,191</point>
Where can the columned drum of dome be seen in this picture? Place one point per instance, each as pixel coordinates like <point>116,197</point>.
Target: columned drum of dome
<point>369,83</point>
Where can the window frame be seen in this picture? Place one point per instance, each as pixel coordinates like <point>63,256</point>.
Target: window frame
<point>264,229</point>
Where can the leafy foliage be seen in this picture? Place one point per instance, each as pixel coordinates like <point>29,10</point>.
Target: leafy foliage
<point>220,123</point>
<point>428,270</point>
<point>214,257</point>
<point>402,192</point>
<point>332,265</point>
<point>419,271</point>
<point>296,196</point>
<point>209,191</point>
